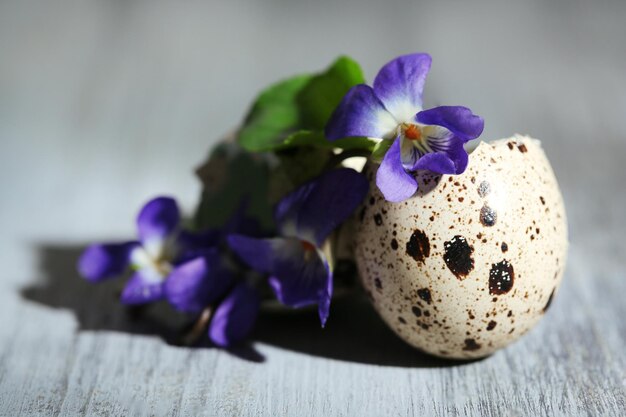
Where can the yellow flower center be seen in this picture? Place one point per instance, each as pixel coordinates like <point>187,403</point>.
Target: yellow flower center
<point>411,131</point>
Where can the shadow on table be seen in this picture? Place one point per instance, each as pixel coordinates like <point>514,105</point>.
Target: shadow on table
<point>96,307</point>
<point>353,333</point>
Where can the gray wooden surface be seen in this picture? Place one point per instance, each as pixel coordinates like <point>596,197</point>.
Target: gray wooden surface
<point>103,104</point>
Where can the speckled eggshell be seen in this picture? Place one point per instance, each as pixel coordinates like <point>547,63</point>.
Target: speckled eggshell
<point>472,261</point>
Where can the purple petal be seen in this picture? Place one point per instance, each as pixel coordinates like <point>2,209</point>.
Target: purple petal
<point>288,209</point>
<point>257,253</point>
<point>448,155</point>
<point>101,261</point>
<point>234,318</point>
<point>459,156</point>
<point>361,113</point>
<point>158,219</point>
<point>191,245</point>
<point>459,120</point>
<point>392,179</point>
<point>436,162</point>
<point>197,283</point>
<point>315,209</point>
<point>299,275</point>
<point>399,84</point>
<point>325,297</point>
<point>141,290</point>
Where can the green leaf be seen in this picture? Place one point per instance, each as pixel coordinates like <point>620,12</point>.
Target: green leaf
<point>295,111</point>
<point>274,115</point>
<point>229,176</point>
<point>380,149</point>
<point>317,139</point>
<point>319,98</point>
<point>355,143</point>
<point>301,164</point>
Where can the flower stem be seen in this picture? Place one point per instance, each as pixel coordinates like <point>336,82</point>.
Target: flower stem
<point>198,328</point>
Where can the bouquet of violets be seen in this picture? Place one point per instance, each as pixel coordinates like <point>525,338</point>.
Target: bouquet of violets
<point>277,194</point>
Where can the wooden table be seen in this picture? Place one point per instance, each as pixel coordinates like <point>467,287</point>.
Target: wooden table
<point>105,104</point>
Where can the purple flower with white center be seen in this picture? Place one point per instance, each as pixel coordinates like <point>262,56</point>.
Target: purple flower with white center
<point>392,110</point>
<point>190,271</point>
<point>162,245</point>
<point>298,270</point>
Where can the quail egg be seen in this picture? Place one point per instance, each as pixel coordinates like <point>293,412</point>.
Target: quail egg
<point>471,262</point>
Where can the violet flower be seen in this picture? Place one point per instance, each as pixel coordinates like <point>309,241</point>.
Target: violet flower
<point>213,287</point>
<point>161,246</point>
<point>190,271</point>
<point>299,273</point>
<point>392,110</point>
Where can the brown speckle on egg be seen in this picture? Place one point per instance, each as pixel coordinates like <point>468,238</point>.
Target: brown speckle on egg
<point>501,277</point>
<point>378,283</point>
<point>458,256</point>
<point>483,189</point>
<point>488,216</point>
<point>418,246</point>
<point>424,294</point>
<point>470,344</point>
<point>547,306</point>
<point>362,215</point>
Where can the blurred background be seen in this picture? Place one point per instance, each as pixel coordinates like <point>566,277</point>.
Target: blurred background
<point>106,103</point>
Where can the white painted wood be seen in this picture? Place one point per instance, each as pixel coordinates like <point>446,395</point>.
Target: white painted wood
<point>103,104</point>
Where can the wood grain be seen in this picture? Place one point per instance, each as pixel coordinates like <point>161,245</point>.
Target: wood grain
<point>104,104</point>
